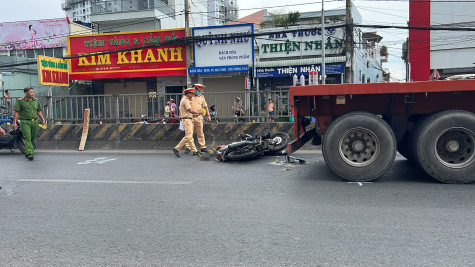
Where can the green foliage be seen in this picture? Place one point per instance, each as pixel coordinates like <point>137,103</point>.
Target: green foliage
<point>285,19</point>
<point>383,51</point>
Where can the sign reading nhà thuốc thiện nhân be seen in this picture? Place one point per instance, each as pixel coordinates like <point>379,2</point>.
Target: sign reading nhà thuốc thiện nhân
<point>139,54</point>
<point>53,71</point>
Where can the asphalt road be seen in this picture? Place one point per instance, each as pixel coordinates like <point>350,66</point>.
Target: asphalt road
<point>135,208</point>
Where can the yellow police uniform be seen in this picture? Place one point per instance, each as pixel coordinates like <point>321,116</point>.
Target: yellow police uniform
<point>198,102</point>
<point>186,119</point>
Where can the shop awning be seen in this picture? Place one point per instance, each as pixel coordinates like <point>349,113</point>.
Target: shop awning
<point>298,62</point>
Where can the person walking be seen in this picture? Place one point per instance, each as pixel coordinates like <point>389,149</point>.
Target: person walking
<point>199,103</point>
<point>28,109</point>
<point>186,114</point>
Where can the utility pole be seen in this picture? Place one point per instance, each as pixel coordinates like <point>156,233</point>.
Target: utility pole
<point>188,44</point>
<point>323,44</point>
<point>349,42</point>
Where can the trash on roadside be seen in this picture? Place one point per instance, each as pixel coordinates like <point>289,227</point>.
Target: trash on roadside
<point>291,159</point>
<point>288,168</point>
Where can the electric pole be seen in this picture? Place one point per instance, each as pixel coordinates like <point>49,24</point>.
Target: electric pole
<point>349,42</point>
<point>188,43</point>
<point>323,44</point>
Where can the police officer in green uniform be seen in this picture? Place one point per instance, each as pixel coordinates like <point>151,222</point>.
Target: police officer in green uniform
<point>28,109</point>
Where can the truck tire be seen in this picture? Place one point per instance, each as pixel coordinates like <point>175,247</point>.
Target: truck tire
<point>444,145</point>
<point>359,146</point>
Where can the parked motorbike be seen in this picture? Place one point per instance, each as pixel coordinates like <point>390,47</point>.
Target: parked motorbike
<point>251,147</point>
<point>13,139</point>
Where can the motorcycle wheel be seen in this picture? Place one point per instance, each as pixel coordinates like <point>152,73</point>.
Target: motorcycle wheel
<point>283,140</point>
<point>241,154</point>
<point>21,145</point>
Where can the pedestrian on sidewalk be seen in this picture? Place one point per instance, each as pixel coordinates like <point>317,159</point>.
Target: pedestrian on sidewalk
<point>186,116</point>
<point>28,109</point>
<point>199,103</point>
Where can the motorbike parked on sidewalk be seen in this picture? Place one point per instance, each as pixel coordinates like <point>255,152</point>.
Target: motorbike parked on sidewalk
<point>251,147</point>
<point>13,139</point>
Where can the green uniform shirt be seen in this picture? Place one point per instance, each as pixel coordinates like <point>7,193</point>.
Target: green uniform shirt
<point>28,109</point>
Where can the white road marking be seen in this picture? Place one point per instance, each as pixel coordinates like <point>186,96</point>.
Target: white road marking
<point>100,160</point>
<point>104,181</point>
<point>360,183</point>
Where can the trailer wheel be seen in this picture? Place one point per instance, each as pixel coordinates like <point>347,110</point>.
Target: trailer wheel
<point>444,145</point>
<point>359,146</point>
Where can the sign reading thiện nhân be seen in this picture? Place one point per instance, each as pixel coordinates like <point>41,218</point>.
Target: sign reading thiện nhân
<point>139,54</point>
<point>53,71</point>
<point>297,42</point>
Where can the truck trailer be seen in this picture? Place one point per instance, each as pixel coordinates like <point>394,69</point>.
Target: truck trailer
<point>362,126</point>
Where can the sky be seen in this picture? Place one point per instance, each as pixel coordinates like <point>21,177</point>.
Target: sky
<point>383,12</point>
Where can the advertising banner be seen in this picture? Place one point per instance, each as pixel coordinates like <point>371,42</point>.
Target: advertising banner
<point>53,71</point>
<point>330,68</point>
<point>127,55</point>
<point>296,42</point>
<point>227,45</point>
<point>33,34</point>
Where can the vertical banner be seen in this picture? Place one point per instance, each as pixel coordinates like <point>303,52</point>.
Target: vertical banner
<point>85,129</point>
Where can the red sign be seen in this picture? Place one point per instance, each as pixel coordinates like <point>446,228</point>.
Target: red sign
<point>134,54</point>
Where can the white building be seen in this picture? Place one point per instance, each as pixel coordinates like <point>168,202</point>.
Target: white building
<point>221,12</point>
<point>134,15</point>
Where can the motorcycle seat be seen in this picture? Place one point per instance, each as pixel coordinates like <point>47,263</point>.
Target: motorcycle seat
<point>240,144</point>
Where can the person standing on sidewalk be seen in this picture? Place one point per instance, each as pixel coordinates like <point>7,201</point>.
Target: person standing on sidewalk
<point>186,114</point>
<point>28,109</point>
<point>198,103</point>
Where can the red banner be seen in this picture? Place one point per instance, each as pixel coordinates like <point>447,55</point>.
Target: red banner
<point>138,55</point>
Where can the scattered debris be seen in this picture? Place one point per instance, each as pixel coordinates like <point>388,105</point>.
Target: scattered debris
<point>288,168</point>
<point>291,159</point>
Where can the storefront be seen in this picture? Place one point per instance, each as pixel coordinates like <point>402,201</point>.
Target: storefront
<point>131,63</point>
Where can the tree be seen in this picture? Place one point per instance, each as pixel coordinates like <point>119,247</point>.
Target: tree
<point>281,19</point>
<point>383,51</point>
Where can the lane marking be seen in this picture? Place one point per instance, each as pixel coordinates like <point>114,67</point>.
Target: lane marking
<point>100,160</point>
<point>104,181</point>
<point>360,183</point>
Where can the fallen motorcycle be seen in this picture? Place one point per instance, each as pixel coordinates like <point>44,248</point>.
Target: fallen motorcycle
<point>251,147</point>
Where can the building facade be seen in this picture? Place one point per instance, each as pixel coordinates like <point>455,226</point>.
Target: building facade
<point>450,52</point>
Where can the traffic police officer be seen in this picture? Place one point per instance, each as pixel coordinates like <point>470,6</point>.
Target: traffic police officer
<point>28,109</point>
<point>198,102</point>
<point>186,114</point>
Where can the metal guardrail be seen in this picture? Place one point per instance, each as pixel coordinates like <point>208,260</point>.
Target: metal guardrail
<point>134,108</point>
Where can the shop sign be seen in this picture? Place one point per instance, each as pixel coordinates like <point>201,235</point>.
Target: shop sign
<point>53,71</point>
<point>298,42</point>
<point>33,34</point>
<point>139,54</point>
<point>218,69</point>
<point>330,68</point>
<point>224,45</point>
